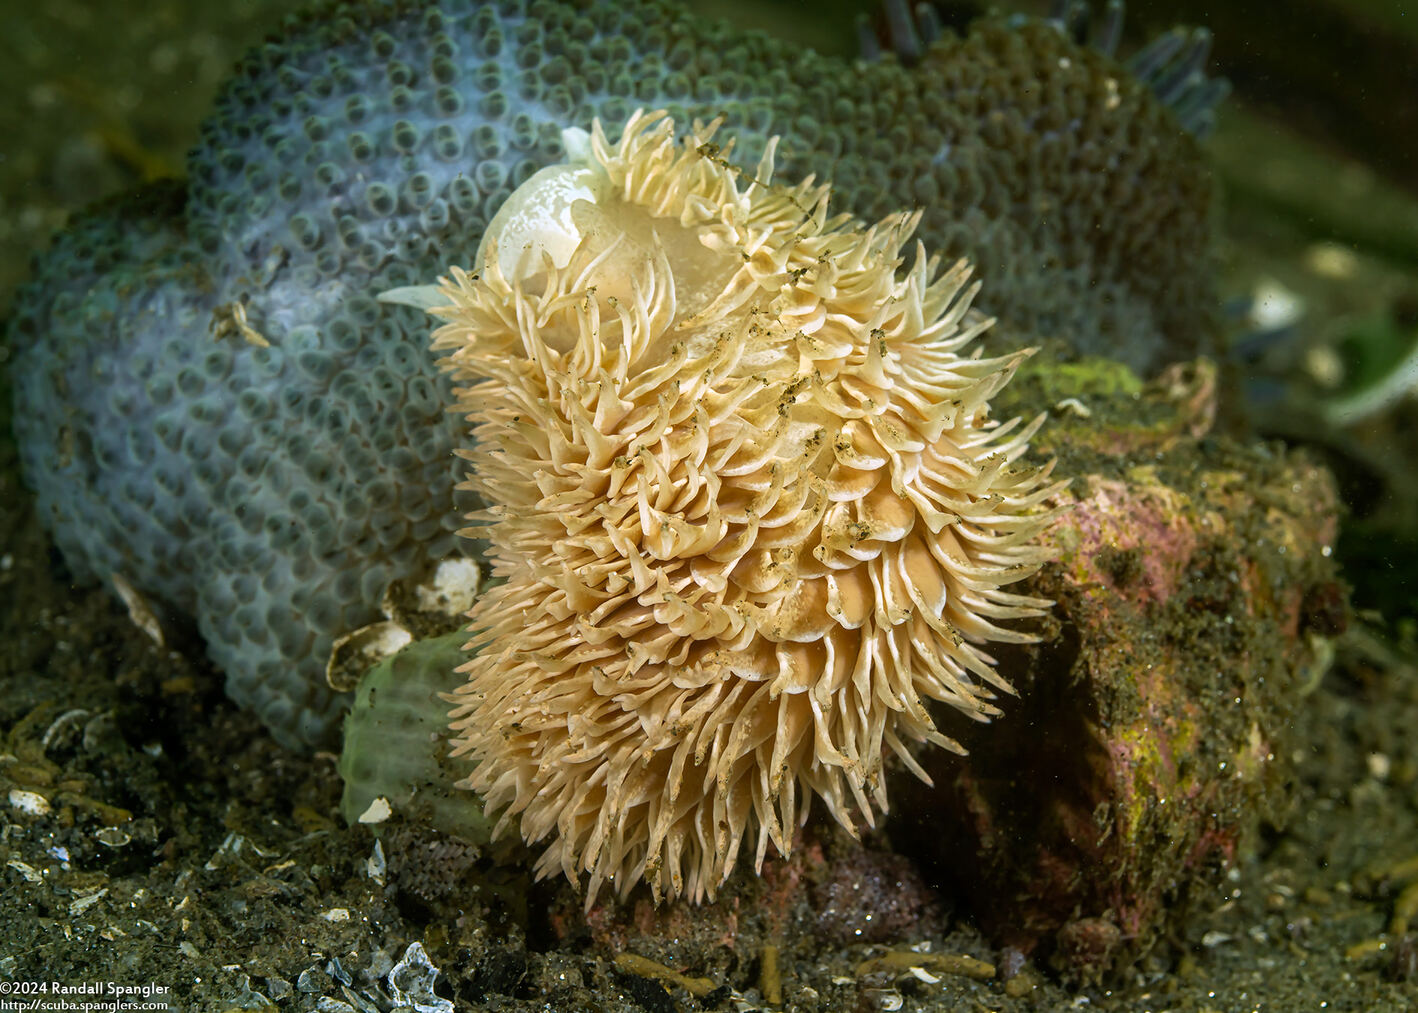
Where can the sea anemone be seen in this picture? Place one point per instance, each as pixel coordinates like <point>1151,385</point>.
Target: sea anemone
<point>750,510</point>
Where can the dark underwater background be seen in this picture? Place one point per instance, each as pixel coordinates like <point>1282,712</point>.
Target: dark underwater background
<point>1316,154</point>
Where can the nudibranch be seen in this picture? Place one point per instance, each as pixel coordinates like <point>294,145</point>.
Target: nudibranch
<point>750,510</point>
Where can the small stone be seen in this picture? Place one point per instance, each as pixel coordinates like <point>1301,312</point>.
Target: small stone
<point>249,999</point>
<point>27,871</point>
<point>30,802</point>
<point>1021,984</point>
<point>375,866</point>
<point>1379,766</point>
<point>887,999</point>
<point>82,904</point>
<point>336,970</point>
<point>1087,946</point>
<point>313,980</point>
<point>380,964</point>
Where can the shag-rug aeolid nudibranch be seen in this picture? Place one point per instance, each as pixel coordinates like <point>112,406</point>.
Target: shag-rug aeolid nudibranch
<point>749,505</point>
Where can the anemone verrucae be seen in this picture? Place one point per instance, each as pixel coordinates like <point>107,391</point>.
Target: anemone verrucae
<point>750,508</point>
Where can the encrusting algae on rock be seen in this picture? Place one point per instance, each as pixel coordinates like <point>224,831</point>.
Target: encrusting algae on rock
<point>751,510</point>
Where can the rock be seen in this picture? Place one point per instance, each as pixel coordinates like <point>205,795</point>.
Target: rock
<point>1153,726</point>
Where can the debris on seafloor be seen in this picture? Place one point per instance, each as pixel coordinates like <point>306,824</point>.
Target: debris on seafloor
<point>770,979</point>
<point>34,784</point>
<point>944,963</point>
<point>645,968</point>
<point>1399,880</point>
<point>411,982</point>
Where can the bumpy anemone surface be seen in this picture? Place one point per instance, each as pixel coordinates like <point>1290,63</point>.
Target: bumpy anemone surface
<point>211,404</point>
<point>750,508</point>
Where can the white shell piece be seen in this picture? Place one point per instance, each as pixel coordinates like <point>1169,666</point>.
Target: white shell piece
<point>379,810</point>
<point>28,871</point>
<point>29,802</point>
<point>358,651</point>
<point>375,866</point>
<point>87,901</point>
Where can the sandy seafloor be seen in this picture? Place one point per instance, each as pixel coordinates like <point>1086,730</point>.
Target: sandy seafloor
<point>235,884</point>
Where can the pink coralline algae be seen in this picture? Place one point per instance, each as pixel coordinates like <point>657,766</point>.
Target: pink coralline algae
<point>1153,725</point>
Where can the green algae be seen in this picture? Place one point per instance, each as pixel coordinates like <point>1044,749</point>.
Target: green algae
<point>396,743</point>
<point>1049,380</point>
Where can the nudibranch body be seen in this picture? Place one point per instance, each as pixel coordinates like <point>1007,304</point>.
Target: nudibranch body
<point>749,506</point>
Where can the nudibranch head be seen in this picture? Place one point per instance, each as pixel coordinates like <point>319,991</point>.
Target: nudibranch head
<point>750,508</point>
